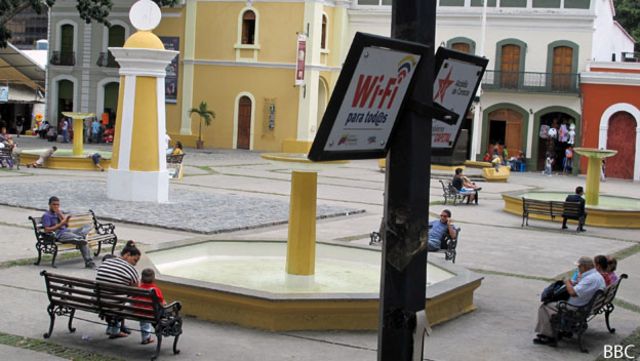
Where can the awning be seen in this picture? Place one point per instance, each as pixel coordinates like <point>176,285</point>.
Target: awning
<point>21,93</point>
<point>17,67</point>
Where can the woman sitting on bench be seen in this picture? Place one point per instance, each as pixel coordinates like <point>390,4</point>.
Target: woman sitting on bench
<point>466,187</point>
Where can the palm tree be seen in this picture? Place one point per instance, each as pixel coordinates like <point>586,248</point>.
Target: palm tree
<point>204,114</point>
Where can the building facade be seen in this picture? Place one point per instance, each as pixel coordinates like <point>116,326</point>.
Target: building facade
<point>240,57</point>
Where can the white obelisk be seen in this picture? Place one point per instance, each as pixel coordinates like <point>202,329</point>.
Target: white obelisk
<point>138,169</point>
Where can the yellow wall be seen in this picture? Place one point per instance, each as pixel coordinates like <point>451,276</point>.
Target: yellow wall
<point>219,86</point>
<point>217,30</point>
<point>173,26</point>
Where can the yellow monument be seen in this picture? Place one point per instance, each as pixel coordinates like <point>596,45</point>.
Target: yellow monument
<point>138,169</point>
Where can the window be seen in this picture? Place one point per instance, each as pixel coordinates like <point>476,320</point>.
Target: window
<point>67,57</point>
<point>510,66</point>
<point>323,39</point>
<point>116,38</point>
<point>248,27</point>
<point>462,44</point>
<point>461,47</point>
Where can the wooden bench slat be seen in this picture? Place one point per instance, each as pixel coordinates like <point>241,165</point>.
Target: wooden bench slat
<point>99,235</point>
<point>571,210</point>
<point>110,300</point>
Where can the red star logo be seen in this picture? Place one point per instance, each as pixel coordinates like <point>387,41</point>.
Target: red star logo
<point>443,84</point>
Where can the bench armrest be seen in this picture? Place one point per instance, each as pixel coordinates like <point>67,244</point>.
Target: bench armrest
<point>49,237</point>
<point>105,228</point>
<point>172,309</point>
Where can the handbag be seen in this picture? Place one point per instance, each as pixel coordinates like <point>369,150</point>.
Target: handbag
<point>556,291</point>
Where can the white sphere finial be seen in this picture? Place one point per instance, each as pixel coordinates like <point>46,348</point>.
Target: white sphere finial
<point>145,15</point>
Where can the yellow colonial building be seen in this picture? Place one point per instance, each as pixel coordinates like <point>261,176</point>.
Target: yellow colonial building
<point>240,57</point>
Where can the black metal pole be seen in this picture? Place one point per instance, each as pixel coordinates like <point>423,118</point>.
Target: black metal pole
<point>403,284</point>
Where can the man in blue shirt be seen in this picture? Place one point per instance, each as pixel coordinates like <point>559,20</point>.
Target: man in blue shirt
<point>437,230</point>
<point>55,221</point>
<point>590,281</point>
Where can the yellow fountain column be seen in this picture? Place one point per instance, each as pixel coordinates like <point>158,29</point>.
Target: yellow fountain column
<point>592,193</point>
<point>78,130</point>
<point>301,247</point>
<point>594,167</point>
<point>138,167</point>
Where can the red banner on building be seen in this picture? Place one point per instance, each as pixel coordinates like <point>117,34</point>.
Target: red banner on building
<point>301,54</point>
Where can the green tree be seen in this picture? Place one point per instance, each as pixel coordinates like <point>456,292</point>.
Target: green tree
<point>89,10</point>
<point>628,15</point>
<point>205,115</point>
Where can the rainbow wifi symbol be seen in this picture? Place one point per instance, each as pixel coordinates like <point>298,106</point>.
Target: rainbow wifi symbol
<point>404,67</point>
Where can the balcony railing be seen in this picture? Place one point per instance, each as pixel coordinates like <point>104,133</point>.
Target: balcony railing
<point>531,82</point>
<point>631,57</point>
<point>63,58</point>
<point>107,60</point>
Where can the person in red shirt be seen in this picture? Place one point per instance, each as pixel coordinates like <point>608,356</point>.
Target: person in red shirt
<point>602,265</point>
<point>147,281</point>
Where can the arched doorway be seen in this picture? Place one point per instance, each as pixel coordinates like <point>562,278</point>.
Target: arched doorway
<point>65,97</point>
<point>621,136</point>
<point>506,128</point>
<point>111,100</point>
<point>244,123</point>
<point>556,132</point>
<point>322,99</point>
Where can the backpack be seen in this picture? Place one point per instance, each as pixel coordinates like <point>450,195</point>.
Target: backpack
<point>556,291</point>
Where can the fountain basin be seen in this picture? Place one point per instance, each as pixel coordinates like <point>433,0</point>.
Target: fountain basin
<point>64,159</point>
<point>612,211</point>
<point>243,282</point>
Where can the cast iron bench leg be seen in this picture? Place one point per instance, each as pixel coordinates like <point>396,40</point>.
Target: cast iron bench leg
<point>70,325</point>
<point>175,344</point>
<point>609,308</point>
<point>52,317</point>
<point>159,337</point>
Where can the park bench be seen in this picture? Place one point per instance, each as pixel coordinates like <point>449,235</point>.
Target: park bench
<point>450,192</point>
<point>572,320</point>
<point>7,157</point>
<point>174,165</point>
<point>448,244</point>
<point>553,209</point>
<point>111,301</point>
<point>101,233</point>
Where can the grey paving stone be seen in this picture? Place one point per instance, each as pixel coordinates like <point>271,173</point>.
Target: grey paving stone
<point>195,211</point>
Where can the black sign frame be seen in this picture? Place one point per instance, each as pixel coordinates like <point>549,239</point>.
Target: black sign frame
<point>361,41</point>
<point>441,55</point>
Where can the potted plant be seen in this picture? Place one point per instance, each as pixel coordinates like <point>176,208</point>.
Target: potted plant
<point>205,115</point>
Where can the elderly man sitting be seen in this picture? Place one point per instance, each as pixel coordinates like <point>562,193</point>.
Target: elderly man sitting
<point>590,281</point>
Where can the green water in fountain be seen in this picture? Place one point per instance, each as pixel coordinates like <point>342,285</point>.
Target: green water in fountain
<point>261,266</point>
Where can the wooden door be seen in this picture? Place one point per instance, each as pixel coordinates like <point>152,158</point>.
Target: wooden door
<point>621,137</point>
<point>562,66</point>
<point>513,129</point>
<point>461,47</point>
<point>244,123</point>
<point>510,66</point>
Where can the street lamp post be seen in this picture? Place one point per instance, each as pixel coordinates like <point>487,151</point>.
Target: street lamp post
<point>403,284</point>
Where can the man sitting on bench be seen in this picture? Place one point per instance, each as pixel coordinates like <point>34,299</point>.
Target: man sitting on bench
<point>580,294</point>
<point>583,215</point>
<point>55,221</point>
<point>438,229</point>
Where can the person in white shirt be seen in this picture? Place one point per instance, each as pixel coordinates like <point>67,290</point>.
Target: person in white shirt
<point>579,295</point>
